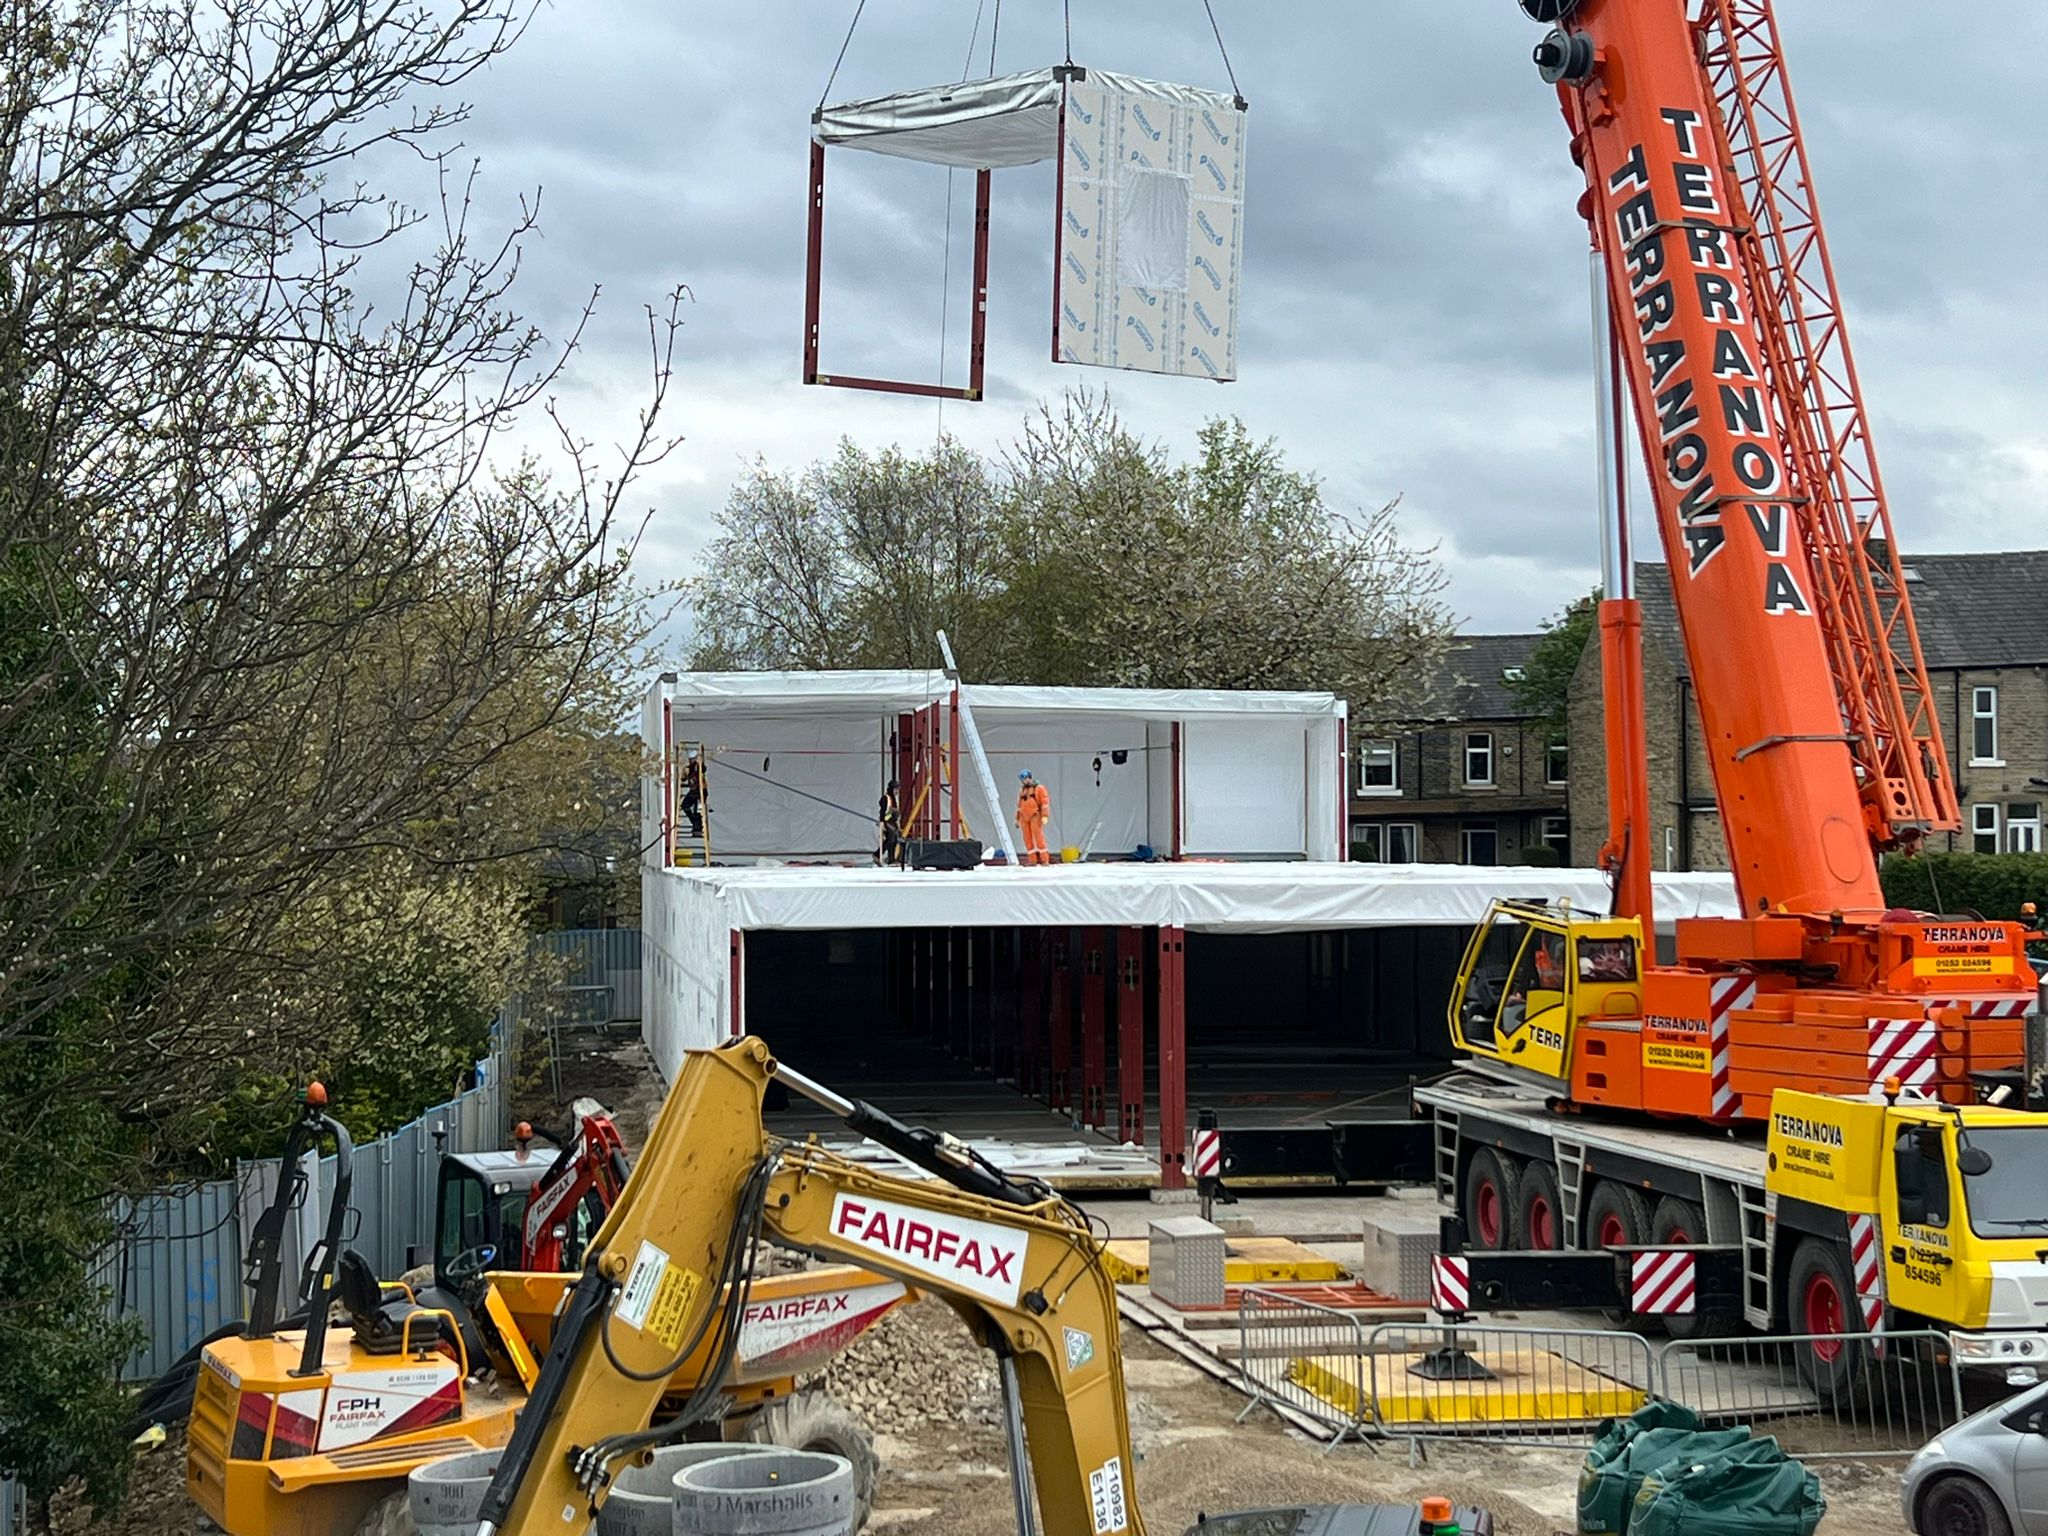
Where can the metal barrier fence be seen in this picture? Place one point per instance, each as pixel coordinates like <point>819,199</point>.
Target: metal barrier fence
<point>1551,1386</point>
<point>1535,1386</point>
<point>1303,1358</point>
<point>1887,1400</point>
<point>604,975</point>
<point>176,1257</point>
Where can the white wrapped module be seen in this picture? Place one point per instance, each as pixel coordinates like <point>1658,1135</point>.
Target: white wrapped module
<point>1151,205</point>
<point>1148,217</point>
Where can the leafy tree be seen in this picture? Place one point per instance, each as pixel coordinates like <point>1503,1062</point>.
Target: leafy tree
<point>1544,688</point>
<point>1230,571</point>
<point>1082,556</point>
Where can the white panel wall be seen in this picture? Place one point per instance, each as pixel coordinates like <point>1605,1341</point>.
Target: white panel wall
<point>797,787</point>
<point>1150,236</point>
<point>686,968</point>
<point>1061,753</point>
<point>1246,787</point>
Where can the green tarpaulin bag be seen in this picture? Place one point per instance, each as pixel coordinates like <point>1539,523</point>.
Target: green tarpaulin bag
<point>1607,1489</point>
<point>1612,1439</point>
<point>1755,1490</point>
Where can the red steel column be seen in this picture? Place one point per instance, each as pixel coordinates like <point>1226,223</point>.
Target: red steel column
<point>1037,956</point>
<point>977,346</point>
<point>814,263</point>
<point>1130,1035</point>
<point>1344,790</point>
<point>951,766</point>
<point>736,942</point>
<point>1094,1031</point>
<point>981,981</point>
<point>668,786</point>
<point>1060,1023</point>
<point>1173,1082</point>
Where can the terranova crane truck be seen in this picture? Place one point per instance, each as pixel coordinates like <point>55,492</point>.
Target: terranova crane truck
<point>1614,1095</point>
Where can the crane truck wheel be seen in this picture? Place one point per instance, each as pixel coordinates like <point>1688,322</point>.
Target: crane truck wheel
<point>816,1421</point>
<point>1682,1221</point>
<point>1539,1217</point>
<point>1492,1196</point>
<point>1820,1301</point>
<point>1615,1216</point>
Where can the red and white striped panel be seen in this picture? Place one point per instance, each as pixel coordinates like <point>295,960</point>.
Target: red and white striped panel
<point>1450,1283</point>
<point>1903,1048</point>
<point>1208,1154</point>
<point>1726,995</point>
<point>1995,1007</point>
<point>1863,1259</point>
<point>1660,1284</point>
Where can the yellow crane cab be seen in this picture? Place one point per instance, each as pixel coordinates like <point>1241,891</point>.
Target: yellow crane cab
<point>1534,979</point>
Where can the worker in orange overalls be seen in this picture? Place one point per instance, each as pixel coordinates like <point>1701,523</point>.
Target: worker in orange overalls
<point>1034,809</point>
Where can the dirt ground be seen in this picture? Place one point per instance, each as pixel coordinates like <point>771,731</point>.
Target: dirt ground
<point>944,1473</point>
<point>929,1395</point>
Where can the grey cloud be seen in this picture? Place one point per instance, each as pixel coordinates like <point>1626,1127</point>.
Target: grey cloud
<point>1414,317</point>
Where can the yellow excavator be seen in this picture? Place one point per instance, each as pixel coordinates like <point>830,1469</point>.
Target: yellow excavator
<point>301,1427</point>
<point>666,1282</point>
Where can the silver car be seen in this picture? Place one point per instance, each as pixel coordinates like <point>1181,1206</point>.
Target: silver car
<point>1988,1476</point>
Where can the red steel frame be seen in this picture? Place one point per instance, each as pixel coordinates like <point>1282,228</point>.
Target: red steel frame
<point>1171,970</point>
<point>1873,644</point>
<point>1343,791</point>
<point>736,946</point>
<point>1094,1031</point>
<point>1060,1023</point>
<point>1130,1035</point>
<point>668,786</point>
<point>814,267</point>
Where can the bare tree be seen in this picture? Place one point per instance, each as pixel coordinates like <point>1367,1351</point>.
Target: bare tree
<point>277,601</point>
<point>856,562</point>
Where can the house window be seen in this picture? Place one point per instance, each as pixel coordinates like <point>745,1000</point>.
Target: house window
<point>1984,721</point>
<point>1557,763</point>
<point>1478,843</point>
<point>1479,758</point>
<point>1379,769</point>
<point>1385,842</point>
<point>1984,828</point>
<point>1557,835</point>
<point>2023,827</point>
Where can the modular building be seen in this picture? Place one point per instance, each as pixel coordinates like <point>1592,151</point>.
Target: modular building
<point>1071,1019</point>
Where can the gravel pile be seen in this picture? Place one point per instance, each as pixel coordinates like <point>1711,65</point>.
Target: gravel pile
<point>916,1370</point>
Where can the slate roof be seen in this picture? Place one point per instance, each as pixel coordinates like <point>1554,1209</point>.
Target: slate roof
<point>1985,610</point>
<point>1470,681</point>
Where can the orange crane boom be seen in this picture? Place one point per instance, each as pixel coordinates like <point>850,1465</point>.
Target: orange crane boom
<point>1813,695</point>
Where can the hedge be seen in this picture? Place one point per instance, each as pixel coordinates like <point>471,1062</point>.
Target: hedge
<point>1991,884</point>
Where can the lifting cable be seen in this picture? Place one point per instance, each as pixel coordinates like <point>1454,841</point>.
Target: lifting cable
<point>946,260</point>
<point>1234,91</point>
<point>825,94</point>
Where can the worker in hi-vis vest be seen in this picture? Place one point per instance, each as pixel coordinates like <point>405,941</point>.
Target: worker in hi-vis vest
<point>1034,809</point>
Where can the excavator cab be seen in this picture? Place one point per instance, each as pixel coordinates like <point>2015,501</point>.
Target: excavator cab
<point>1532,976</point>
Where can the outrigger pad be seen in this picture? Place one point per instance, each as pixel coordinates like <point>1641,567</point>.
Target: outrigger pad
<point>1450,1363</point>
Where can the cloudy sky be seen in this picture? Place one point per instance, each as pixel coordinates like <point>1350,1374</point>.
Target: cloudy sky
<point>1414,316</point>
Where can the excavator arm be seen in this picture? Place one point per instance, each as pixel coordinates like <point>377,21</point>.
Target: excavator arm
<point>595,1160</point>
<point>668,1273</point>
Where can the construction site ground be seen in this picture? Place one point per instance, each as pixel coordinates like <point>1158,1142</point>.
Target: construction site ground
<point>929,1395</point>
